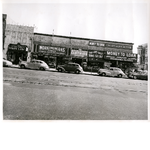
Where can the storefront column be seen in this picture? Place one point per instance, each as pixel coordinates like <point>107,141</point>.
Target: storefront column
<point>35,47</point>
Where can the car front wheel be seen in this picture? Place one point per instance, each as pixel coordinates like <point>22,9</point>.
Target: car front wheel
<point>120,75</point>
<point>59,70</point>
<point>22,67</point>
<point>41,68</point>
<point>77,71</point>
<point>103,74</point>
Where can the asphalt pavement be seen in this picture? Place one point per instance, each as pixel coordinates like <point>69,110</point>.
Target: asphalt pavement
<point>49,95</point>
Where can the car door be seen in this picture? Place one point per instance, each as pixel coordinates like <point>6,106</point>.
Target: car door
<point>31,64</point>
<point>36,64</point>
<point>115,72</point>
<point>68,67</point>
<point>111,71</point>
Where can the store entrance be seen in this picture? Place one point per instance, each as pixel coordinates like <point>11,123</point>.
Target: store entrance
<point>15,56</point>
<point>114,64</point>
<point>77,60</point>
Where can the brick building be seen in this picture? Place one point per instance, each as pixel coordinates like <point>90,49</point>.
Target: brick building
<point>143,56</point>
<point>18,42</point>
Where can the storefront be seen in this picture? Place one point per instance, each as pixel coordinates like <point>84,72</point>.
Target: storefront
<point>90,53</point>
<point>95,58</point>
<point>17,52</point>
<point>52,55</point>
<point>120,59</point>
<point>79,56</point>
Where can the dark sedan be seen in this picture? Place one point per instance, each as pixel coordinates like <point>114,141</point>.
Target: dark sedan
<point>70,67</point>
<point>143,75</point>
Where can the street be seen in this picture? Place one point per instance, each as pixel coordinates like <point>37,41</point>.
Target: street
<point>48,95</point>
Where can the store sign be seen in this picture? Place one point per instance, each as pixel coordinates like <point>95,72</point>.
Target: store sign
<point>78,53</point>
<point>119,46</point>
<point>95,43</point>
<point>17,47</point>
<point>92,43</point>
<point>120,56</point>
<point>95,55</point>
<point>52,50</point>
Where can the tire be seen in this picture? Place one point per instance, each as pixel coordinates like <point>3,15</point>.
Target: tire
<point>41,68</point>
<point>22,67</point>
<point>134,77</point>
<point>77,71</point>
<point>59,70</point>
<point>119,75</point>
<point>103,74</point>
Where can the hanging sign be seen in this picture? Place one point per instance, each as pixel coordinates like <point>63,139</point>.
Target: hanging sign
<point>17,47</point>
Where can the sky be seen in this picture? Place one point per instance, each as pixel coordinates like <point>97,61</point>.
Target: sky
<point>112,20</point>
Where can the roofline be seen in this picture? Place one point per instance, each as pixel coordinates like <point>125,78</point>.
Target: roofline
<point>54,35</point>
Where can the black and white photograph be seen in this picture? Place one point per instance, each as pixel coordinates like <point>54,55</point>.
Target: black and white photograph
<point>74,74</point>
<point>75,61</point>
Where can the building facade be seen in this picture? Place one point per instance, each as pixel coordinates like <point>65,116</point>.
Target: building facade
<point>18,42</point>
<point>55,49</point>
<point>143,56</point>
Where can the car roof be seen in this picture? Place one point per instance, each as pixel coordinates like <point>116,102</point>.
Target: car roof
<point>114,67</point>
<point>73,63</point>
<point>37,60</point>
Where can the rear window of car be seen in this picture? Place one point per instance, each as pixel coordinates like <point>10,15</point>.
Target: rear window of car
<point>33,61</point>
<point>117,69</point>
<point>70,64</point>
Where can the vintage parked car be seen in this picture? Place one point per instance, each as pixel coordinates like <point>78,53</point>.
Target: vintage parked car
<point>140,74</point>
<point>6,63</point>
<point>34,64</point>
<point>70,67</point>
<point>112,71</point>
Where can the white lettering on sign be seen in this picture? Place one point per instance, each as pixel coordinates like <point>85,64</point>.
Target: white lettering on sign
<point>91,43</point>
<point>95,43</point>
<point>79,53</point>
<point>122,54</point>
<point>53,50</point>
